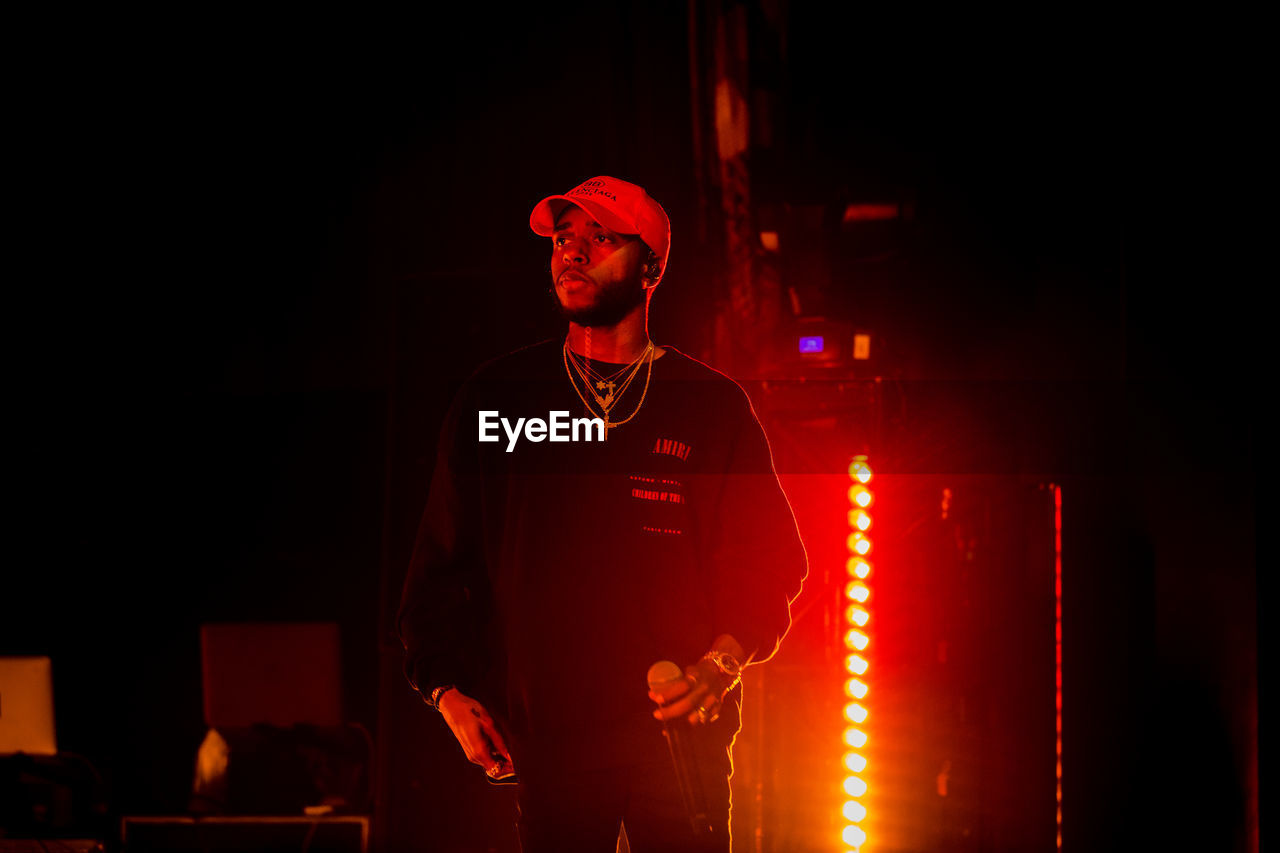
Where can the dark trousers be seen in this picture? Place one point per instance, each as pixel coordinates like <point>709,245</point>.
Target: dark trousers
<point>566,807</point>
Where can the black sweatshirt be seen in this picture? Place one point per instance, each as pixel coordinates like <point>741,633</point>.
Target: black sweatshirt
<point>548,576</point>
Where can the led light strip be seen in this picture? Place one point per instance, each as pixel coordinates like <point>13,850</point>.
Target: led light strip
<point>856,640</point>
<point>1057,640</point>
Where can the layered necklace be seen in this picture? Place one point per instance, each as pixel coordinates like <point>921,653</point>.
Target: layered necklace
<point>603,393</point>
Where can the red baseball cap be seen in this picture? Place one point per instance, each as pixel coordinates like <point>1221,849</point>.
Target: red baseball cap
<point>617,205</point>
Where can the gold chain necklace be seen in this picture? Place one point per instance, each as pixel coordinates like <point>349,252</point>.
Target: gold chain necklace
<point>613,391</point>
<point>605,412</point>
<point>601,382</point>
<point>584,361</point>
<point>612,397</point>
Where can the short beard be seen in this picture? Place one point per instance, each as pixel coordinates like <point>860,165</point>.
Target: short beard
<point>609,310</point>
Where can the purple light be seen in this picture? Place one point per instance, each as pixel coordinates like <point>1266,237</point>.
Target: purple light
<point>811,344</point>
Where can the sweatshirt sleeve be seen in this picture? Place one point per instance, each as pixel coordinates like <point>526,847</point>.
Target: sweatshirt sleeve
<point>760,562</point>
<point>443,607</point>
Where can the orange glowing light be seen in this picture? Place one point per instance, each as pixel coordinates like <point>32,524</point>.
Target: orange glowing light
<point>854,787</point>
<point>861,496</point>
<point>855,639</point>
<point>857,592</point>
<point>859,543</point>
<point>855,713</point>
<point>857,617</point>
<point>853,836</point>
<point>860,470</point>
<point>855,738</point>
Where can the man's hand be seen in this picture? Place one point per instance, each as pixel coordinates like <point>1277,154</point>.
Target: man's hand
<point>697,697</point>
<point>476,733</point>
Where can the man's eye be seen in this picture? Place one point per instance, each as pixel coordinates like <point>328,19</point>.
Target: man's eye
<point>603,238</point>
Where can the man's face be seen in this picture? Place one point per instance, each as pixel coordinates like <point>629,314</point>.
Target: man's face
<point>595,273</point>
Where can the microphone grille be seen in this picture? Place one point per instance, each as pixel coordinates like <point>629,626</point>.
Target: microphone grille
<point>664,672</point>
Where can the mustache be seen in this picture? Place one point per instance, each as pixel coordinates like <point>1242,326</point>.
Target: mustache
<point>573,273</point>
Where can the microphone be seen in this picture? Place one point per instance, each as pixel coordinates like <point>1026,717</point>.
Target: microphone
<point>680,736</point>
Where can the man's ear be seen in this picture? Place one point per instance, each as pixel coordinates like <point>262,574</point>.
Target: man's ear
<point>652,271</point>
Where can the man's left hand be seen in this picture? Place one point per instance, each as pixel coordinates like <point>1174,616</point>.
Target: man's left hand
<point>698,696</point>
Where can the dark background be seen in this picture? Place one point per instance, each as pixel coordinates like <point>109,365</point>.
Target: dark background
<point>261,255</point>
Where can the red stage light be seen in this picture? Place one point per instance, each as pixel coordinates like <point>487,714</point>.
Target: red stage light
<point>854,787</point>
<point>855,713</point>
<point>854,811</point>
<point>855,688</point>
<point>870,212</point>
<point>859,543</point>
<point>853,836</point>
<point>857,617</point>
<point>858,568</point>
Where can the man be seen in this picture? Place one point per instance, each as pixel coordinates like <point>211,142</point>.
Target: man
<point>550,574</point>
